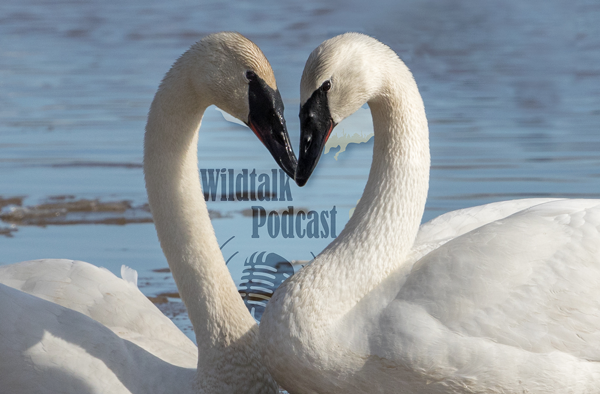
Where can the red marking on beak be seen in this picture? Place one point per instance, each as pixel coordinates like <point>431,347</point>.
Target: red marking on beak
<point>329,131</point>
<point>256,133</point>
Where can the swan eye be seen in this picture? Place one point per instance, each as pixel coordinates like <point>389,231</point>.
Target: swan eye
<point>251,75</point>
<point>326,86</point>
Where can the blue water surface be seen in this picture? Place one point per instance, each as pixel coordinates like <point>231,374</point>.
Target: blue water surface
<point>511,89</point>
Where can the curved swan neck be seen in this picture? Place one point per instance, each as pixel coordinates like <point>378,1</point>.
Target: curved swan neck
<point>217,313</point>
<point>385,222</point>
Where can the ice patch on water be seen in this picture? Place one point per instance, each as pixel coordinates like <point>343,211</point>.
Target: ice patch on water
<point>355,129</point>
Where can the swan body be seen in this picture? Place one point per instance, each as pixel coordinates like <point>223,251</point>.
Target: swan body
<point>78,328</point>
<point>502,298</point>
<point>70,327</point>
<point>113,302</point>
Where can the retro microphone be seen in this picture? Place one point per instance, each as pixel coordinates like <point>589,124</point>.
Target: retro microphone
<point>263,273</point>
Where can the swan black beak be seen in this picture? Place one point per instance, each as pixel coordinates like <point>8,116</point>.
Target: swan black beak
<point>316,125</point>
<point>267,121</point>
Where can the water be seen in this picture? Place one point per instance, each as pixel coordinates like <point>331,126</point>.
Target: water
<point>511,89</point>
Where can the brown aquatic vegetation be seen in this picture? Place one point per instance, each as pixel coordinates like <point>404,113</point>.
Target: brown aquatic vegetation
<point>4,202</point>
<point>67,210</point>
<point>7,231</point>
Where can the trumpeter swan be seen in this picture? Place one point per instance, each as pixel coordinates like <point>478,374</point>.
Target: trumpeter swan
<point>503,298</point>
<point>130,347</point>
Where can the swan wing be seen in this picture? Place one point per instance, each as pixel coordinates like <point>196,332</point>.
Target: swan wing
<point>452,224</point>
<point>109,300</point>
<point>47,348</point>
<point>514,303</point>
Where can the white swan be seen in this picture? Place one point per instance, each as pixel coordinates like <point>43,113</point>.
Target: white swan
<point>100,334</point>
<point>503,298</point>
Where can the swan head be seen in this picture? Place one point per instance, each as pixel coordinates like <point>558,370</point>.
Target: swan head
<point>340,76</point>
<point>239,80</point>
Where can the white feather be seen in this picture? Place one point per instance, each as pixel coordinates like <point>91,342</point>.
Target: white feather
<point>129,275</point>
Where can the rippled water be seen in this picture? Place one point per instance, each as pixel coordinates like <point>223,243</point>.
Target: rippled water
<point>512,92</point>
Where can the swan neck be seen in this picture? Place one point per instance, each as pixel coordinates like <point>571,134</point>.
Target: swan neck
<point>386,220</point>
<point>218,315</point>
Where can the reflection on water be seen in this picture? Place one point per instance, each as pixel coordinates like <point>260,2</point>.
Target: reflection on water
<point>511,89</point>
